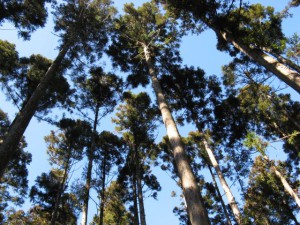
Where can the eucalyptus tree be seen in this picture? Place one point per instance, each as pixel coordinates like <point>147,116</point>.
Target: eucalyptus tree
<point>198,101</point>
<point>107,155</point>
<point>137,120</point>
<point>25,15</point>
<point>83,27</point>
<point>146,43</point>
<point>98,95</point>
<point>14,184</point>
<point>64,150</point>
<point>252,30</point>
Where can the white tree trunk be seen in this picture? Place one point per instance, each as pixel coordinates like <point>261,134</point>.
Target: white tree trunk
<point>226,188</point>
<point>290,77</point>
<point>285,184</point>
<point>195,207</point>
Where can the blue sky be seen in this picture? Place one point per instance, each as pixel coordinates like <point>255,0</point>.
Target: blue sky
<point>196,50</point>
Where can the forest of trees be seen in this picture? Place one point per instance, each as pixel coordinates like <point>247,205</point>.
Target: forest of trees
<point>223,166</point>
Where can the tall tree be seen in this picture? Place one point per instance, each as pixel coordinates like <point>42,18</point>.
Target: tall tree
<point>149,40</point>
<point>198,100</point>
<point>44,197</point>
<point>115,211</point>
<point>65,149</point>
<point>98,97</point>
<point>236,27</point>
<point>83,27</point>
<point>107,154</point>
<point>136,119</point>
<point>266,201</point>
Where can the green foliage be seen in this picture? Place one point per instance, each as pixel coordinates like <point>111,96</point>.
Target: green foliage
<point>26,15</point>
<point>43,195</point>
<point>115,211</point>
<point>266,202</point>
<point>8,59</point>
<point>99,91</point>
<point>71,19</point>
<point>293,48</point>
<point>256,26</point>
<point>21,76</point>
<point>254,141</point>
<point>67,147</point>
<point>140,27</point>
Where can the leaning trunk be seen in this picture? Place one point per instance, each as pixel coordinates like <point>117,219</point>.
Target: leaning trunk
<point>226,188</point>
<point>220,196</point>
<point>290,77</point>
<point>285,184</point>
<point>195,206</point>
<point>21,121</point>
<point>89,171</point>
<point>283,60</point>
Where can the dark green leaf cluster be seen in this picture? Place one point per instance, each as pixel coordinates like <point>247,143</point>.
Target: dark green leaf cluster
<point>26,15</point>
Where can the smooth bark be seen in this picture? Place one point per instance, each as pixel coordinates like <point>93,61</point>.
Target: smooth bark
<point>21,121</point>
<point>284,60</point>
<point>285,184</point>
<point>89,171</point>
<point>220,196</point>
<point>195,206</point>
<point>287,75</point>
<point>225,186</point>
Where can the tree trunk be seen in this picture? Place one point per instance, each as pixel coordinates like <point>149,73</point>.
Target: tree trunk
<point>135,204</point>
<point>283,60</point>
<point>285,184</point>
<point>219,195</point>
<point>60,191</point>
<point>103,190</point>
<point>290,77</point>
<point>229,195</point>
<point>21,121</point>
<point>140,188</point>
<point>89,171</point>
<point>196,210</point>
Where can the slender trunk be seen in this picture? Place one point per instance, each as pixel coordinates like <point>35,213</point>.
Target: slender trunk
<point>103,189</point>
<point>61,190</point>
<point>220,196</point>
<point>135,204</point>
<point>89,171</point>
<point>195,206</point>
<point>226,188</point>
<point>21,121</point>
<point>285,184</point>
<point>140,188</point>
<point>290,77</point>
